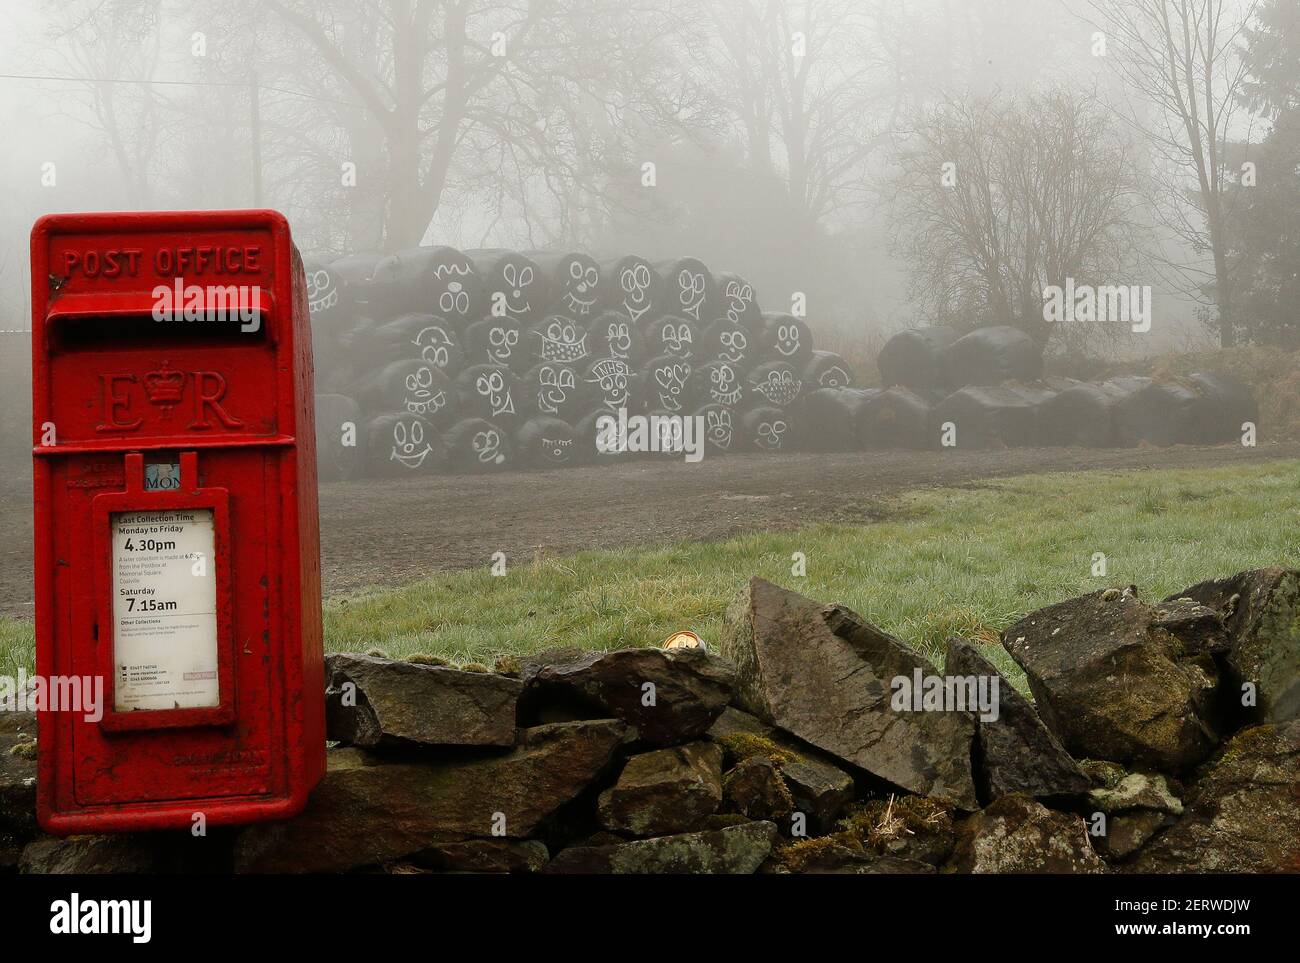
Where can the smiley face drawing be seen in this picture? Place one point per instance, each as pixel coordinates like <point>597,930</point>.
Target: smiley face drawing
<point>732,345</point>
<point>554,385</point>
<point>410,447</point>
<point>423,396</point>
<point>612,378</point>
<point>486,445</point>
<point>776,383</point>
<point>676,336</point>
<point>322,293</point>
<point>580,288</point>
<point>718,427</point>
<point>634,281</point>
<point>769,434</point>
<point>787,340</point>
<point>739,296</point>
<point>514,296</point>
<point>670,376</point>
<point>559,339</point>
<point>436,346</point>
<point>491,385</point>
<point>501,343</point>
<point>558,451</point>
<point>690,292</point>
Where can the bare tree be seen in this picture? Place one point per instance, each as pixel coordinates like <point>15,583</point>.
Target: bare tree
<point>115,46</point>
<point>1183,58</point>
<point>996,199</point>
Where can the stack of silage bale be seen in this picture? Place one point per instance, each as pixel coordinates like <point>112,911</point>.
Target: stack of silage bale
<point>489,359</point>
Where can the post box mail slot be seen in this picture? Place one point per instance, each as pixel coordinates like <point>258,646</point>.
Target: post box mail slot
<point>176,539</point>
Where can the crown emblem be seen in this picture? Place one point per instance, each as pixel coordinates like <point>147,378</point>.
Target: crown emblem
<point>164,386</point>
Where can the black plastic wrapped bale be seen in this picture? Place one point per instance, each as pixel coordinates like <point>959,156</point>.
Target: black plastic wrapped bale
<point>496,341</point>
<point>553,388</point>
<point>990,356</point>
<point>476,445</point>
<point>611,384</point>
<point>914,358</point>
<point>339,438</point>
<point>513,285</point>
<point>672,335</point>
<point>826,369</point>
<point>354,274</point>
<point>339,371</point>
<point>572,283</point>
<point>491,392</point>
<point>730,341</point>
<point>557,338</point>
<point>432,280</point>
<point>775,383</point>
<point>401,444</point>
<point>631,286</point>
<point>1223,406</point>
<point>826,419</point>
<point>613,335</point>
<point>784,337</point>
<point>737,302</point>
<point>667,383</point>
<point>1151,413</point>
<point>721,426</point>
<point>717,383</point>
<point>689,290</point>
<point>897,417</point>
<point>1081,415</point>
<point>987,416</point>
<point>413,386</point>
<point>765,429</point>
<point>423,336</point>
<point>588,434</point>
<point>546,442</point>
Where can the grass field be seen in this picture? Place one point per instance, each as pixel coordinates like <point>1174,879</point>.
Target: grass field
<point>944,561</point>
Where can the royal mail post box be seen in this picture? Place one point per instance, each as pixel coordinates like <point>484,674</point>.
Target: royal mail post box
<point>176,541</point>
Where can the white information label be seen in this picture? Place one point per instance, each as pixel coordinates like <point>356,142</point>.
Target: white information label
<point>164,610</point>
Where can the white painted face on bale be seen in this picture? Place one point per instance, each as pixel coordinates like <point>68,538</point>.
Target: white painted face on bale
<point>487,446</point>
<point>724,386</point>
<point>580,289</point>
<point>671,379</point>
<point>676,338</point>
<point>635,282</point>
<point>769,434</point>
<point>787,339</point>
<point>557,450</point>
<point>717,428</point>
<point>563,341</point>
<point>492,386</point>
<point>454,300</point>
<point>501,344</point>
<point>834,377</point>
<point>779,387</point>
<point>739,298</point>
<point>518,281</point>
<point>321,293</point>
<point>612,376</point>
<point>733,345</point>
<point>553,387</point>
<point>421,398</point>
<point>619,338</point>
<point>690,292</point>
<point>409,446</point>
<point>433,343</point>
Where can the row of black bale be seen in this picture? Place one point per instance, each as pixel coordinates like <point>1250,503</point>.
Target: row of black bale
<point>435,359</point>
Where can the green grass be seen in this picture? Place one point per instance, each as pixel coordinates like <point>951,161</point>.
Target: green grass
<point>945,561</point>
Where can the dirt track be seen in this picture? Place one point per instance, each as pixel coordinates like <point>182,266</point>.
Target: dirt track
<point>392,532</point>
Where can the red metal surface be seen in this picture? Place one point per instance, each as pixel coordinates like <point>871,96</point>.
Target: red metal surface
<point>112,385</point>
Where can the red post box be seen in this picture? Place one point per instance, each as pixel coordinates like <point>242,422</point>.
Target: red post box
<point>176,541</point>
